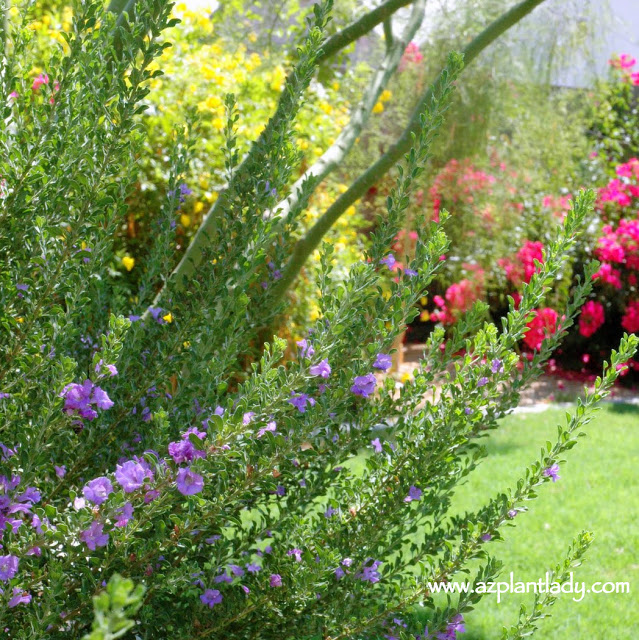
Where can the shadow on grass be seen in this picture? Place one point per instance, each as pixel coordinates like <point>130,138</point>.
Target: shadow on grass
<point>623,408</point>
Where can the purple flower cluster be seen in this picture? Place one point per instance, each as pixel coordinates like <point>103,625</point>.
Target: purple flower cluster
<point>83,399</point>
<point>14,503</point>
<point>369,571</point>
<point>364,385</point>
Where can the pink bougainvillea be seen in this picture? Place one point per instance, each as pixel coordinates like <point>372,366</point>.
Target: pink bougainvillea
<point>591,318</point>
<point>543,324</point>
<point>522,268</point>
<point>630,320</point>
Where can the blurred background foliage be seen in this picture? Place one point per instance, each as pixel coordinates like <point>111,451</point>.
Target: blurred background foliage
<point>519,140</point>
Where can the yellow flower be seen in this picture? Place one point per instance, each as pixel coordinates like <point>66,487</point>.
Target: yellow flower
<point>199,207</point>
<point>406,377</point>
<point>424,316</point>
<point>14,11</point>
<point>128,263</point>
<point>326,108</point>
<point>378,108</point>
<point>20,320</point>
<point>168,317</point>
<point>386,95</point>
<point>185,219</point>
<point>186,344</point>
<point>217,123</point>
<point>252,37</point>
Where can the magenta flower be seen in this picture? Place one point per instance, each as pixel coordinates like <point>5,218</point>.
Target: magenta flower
<point>130,475</point>
<point>98,490</point>
<point>211,597</point>
<point>19,597</point>
<point>94,536</point>
<point>323,369</point>
<point>8,567</point>
<point>552,472</point>
<point>39,81</point>
<point>413,494</point>
<point>189,483</point>
<point>383,362</point>
<point>275,580</point>
<point>364,385</point>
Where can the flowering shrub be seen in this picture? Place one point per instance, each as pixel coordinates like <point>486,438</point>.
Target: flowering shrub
<point>310,496</point>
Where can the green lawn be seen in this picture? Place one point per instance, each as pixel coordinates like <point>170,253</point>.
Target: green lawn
<point>598,491</point>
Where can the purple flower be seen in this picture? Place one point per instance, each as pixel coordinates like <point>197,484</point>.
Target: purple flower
<point>512,513</point>
<point>486,537</point>
<point>60,471</point>
<point>300,400</point>
<point>19,597</point>
<point>78,399</point>
<point>323,369</point>
<point>295,552</point>
<point>364,385</point>
<point>124,514</point>
<point>377,445</point>
<point>247,417</point>
<point>184,451</point>
<point>189,483</point>
<point>98,490</point>
<point>275,580</point>
<point>455,626</point>
<point>280,490</point>
<point>94,536</point>
<point>271,427</point>
<point>370,573</point>
<point>413,494</point>
<point>130,475</point>
<point>195,431</point>
<point>497,366</point>
<point>383,362</point>
<point>8,567</point>
<point>306,348</point>
<point>253,568</point>
<point>552,472</point>
<point>482,382</point>
<point>389,261</point>
<point>330,512</point>
<point>211,597</point>
<point>411,273</point>
<point>339,573</point>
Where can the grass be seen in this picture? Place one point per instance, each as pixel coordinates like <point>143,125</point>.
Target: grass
<point>598,491</point>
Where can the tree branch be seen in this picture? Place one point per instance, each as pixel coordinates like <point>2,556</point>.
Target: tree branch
<point>332,157</point>
<point>306,245</point>
<point>360,27</point>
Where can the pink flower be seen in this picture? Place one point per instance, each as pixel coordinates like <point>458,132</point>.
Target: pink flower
<point>624,61</point>
<point>544,323</point>
<point>591,318</point>
<point>38,81</point>
<point>630,320</point>
<point>608,275</point>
